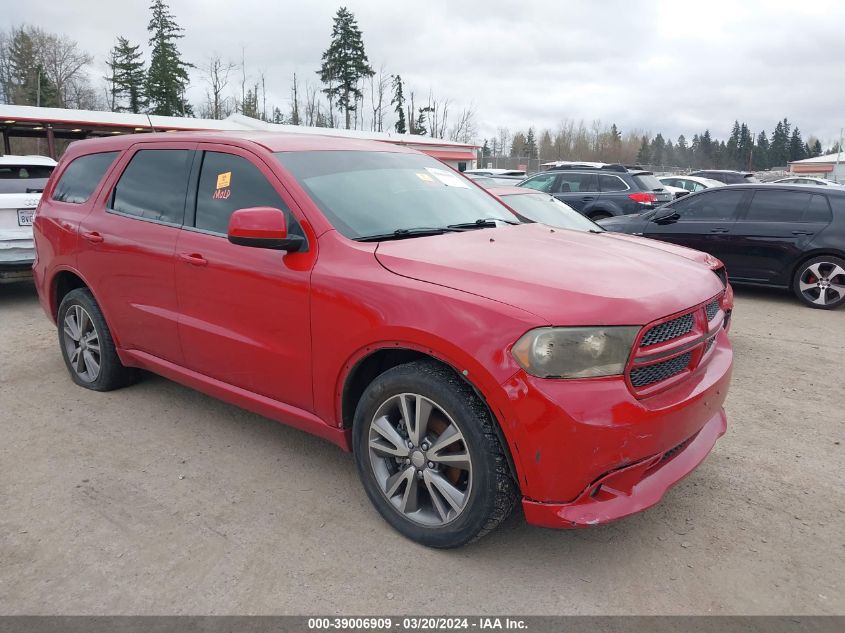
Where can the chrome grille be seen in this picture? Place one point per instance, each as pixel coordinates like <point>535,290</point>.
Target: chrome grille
<point>669,330</point>
<point>650,374</point>
<point>711,309</point>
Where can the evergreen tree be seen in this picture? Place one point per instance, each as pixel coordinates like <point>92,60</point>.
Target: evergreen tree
<point>816,149</point>
<point>745,148</point>
<point>398,101</point>
<point>656,152</point>
<point>168,75</point>
<point>128,78</point>
<point>643,154</point>
<point>761,152</point>
<point>779,146</point>
<point>731,157</point>
<point>796,146</point>
<point>485,150</point>
<point>530,149</point>
<point>27,83</point>
<point>705,149</point>
<point>419,124</point>
<point>345,64</point>
<point>682,151</point>
<point>669,155</point>
<point>278,117</point>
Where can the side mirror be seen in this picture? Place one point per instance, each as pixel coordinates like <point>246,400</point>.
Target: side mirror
<point>262,227</point>
<point>666,218</point>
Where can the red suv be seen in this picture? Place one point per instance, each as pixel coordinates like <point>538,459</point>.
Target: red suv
<point>364,292</point>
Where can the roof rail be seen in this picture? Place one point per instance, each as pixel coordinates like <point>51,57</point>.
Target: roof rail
<point>565,164</point>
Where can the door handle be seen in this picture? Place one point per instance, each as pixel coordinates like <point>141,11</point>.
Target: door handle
<point>802,232</point>
<point>195,259</point>
<point>93,237</point>
<point>719,230</point>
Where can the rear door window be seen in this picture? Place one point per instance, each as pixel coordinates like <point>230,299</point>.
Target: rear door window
<point>228,182</point>
<point>578,183</point>
<point>81,177</point>
<point>609,183</point>
<point>154,185</point>
<point>778,206</point>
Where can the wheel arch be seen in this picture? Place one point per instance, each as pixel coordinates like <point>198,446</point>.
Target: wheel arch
<point>374,361</point>
<point>805,257</point>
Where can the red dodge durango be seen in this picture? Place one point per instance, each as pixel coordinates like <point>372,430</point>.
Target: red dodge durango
<point>368,294</point>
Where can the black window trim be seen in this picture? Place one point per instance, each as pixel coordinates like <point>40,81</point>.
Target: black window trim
<point>141,147</point>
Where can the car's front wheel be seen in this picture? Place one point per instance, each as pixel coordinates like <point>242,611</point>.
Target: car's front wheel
<point>429,457</point>
<point>820,282</point>
<point>87,345</point>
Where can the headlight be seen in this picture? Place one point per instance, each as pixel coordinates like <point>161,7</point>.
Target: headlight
<point>575,352</point>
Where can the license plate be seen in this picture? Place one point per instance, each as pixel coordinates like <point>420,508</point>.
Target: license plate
<point>25,217</point>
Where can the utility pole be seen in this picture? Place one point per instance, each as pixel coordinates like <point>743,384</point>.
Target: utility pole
<point>838,154</point>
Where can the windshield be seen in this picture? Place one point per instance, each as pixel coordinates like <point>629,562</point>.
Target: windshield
<point>545,209</point>
<point>365,194</point>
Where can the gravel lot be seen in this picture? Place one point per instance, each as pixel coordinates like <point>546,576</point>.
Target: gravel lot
<point>156,499</point>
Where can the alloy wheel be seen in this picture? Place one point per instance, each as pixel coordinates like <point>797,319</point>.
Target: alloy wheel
<point>420,459</point>
<point>822,283</point>
<point>82,343</point>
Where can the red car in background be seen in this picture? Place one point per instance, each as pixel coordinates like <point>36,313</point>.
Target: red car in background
<point>365,293</point>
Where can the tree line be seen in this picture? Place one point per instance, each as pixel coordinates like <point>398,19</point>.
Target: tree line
<point>45,69</point>
<point>742,150</point>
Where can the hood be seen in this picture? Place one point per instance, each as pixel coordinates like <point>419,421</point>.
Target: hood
<point>564,277</point>
<point>683,251</point>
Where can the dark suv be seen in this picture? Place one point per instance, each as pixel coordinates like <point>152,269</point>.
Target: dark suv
<point>727,176</point>
<point>599,190</point>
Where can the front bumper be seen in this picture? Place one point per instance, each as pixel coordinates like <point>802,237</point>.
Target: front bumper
<point>580,443</point>
<point>632,489</point>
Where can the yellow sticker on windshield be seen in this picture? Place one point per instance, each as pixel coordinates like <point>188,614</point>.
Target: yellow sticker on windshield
<point>223,180</point>
<point>425,177</point>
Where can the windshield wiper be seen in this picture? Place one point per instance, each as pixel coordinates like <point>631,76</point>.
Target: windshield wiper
<point>401,234</point>
<point>481,223</point>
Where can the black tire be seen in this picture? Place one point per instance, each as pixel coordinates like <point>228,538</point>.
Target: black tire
<point>810,297</point>
<point>595,216</point>
<point>493,492</point>
<point>112,374</point>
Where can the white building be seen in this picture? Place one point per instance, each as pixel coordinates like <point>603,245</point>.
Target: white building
<point>59,123</point>
<point>830,166</point>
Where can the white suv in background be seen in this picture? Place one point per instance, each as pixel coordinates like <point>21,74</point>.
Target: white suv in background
<point>22,179</point>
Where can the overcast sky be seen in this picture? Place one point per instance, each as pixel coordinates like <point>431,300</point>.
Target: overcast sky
<point>662,65</point>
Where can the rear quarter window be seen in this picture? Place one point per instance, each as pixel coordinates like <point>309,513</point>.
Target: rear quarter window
<point>647,182</point>
<point>82,176</point>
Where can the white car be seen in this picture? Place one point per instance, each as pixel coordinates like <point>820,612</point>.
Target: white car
<point>807,180</point>
<point>22,179</point>
<point>689,184</point>
<point>501,176</point>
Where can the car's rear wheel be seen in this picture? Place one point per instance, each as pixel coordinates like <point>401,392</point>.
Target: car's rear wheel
<point>820,282</point>
<point>429,457</point>
<point>87,345</point>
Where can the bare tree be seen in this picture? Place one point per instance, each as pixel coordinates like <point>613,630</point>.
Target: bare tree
<point>295,118</point>
<point>464,131</point>
<point>379,85</point>
<point>438,116</point>
<point>215,73</point>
